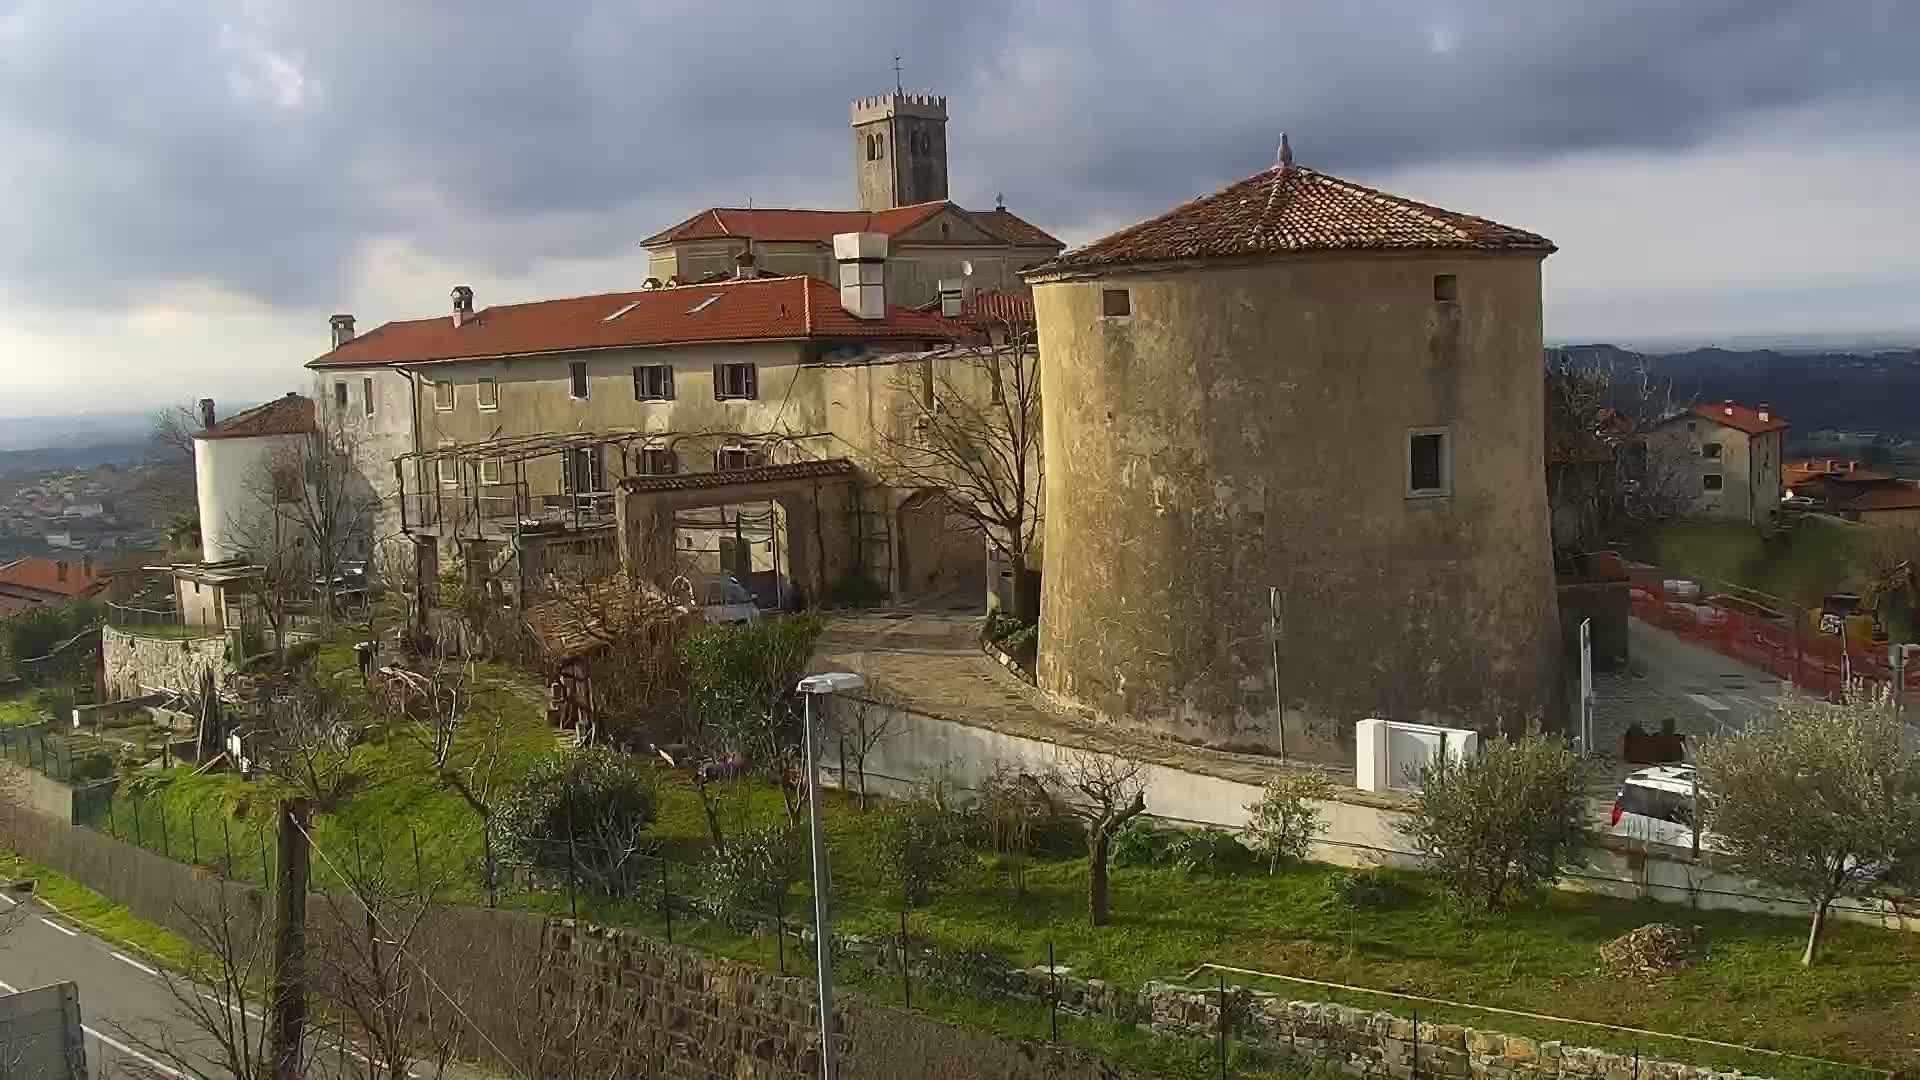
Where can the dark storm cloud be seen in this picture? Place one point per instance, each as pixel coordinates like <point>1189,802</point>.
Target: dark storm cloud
<point>257,145</point>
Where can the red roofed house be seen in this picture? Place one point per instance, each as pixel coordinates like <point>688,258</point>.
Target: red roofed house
<point>36,581</point>
<point>900,163</point>
<point>1729,456</point>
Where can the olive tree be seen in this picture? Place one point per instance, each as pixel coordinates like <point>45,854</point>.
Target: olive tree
<point>1501,823</point>
<point>1283,821</point>
<point>1821,799</point>
<point>1104,792</point>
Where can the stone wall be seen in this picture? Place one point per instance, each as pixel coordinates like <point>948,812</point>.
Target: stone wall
<point>133,661</point>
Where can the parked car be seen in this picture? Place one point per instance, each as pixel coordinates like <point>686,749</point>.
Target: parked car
<point>1799,502</point>
<point>1657,805</point>
<point>726,602</point>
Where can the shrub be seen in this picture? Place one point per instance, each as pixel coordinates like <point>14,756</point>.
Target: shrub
<point>1013,816</point>
<point>1502,823</point>
<point>751,876</point>
<point>1142,843</point>
<point>1372,889</point>
<point>921,844</point>
<point>1283,820</point>
<point>1214,852</point>
<point>600,800</point>
<point>1012,636</point>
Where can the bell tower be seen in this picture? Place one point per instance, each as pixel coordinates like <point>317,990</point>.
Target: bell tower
<point>900,149</point>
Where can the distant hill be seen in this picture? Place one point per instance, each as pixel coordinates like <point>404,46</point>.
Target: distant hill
<point>75,457</point>
<point>38,432</point>
<point>1865,391</point>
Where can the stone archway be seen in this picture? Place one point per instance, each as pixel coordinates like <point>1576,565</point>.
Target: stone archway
<point>940,551</point>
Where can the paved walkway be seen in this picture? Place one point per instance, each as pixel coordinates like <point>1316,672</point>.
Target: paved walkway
<point>1671,678</point>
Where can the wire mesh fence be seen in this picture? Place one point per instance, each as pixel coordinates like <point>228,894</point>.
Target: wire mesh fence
<point>68,758</point>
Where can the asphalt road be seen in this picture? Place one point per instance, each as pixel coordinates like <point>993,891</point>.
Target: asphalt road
<point>124,1005</point>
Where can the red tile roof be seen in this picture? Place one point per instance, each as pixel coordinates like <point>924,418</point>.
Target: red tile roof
<point>820,226</point>
<point>791,470</point>
<point>986,308</point>
<point>290,415</point>
<point>37,573</point>
<point>1737,416</point>
<point>752,309</point>
<point>1294,209</point>
<point>1895,496</point>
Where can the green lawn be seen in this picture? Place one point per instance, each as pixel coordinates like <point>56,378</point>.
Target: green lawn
<point>25,709</point>
<point>1800,565</point>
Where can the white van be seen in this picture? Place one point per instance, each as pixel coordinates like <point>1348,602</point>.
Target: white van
<point>1656,805</point>
<point>726,602</point>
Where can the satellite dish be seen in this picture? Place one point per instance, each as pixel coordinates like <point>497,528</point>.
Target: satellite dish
<point>966,268</point>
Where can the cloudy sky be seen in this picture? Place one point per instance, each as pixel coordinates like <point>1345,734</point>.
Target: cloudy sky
<point>190,189</point>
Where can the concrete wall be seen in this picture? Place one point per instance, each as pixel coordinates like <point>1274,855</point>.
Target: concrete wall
<point>1749,467</point>
<point>229,475</point>
<point>133,662</point>
<point>36,790</point>
<point>379,436</point>
<point>1247,426</point>
<point>40,1036</point>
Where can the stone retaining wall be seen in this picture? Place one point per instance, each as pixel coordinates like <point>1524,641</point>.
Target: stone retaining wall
<point>134,661</point>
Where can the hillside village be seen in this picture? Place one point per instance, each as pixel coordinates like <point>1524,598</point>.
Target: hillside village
<point>1237,641</point>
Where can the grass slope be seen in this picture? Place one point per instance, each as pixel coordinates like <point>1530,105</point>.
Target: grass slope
<point>1818,556</point>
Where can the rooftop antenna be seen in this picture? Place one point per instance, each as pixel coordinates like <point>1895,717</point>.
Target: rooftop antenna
<point>897,89</point>
<point>999,200</point>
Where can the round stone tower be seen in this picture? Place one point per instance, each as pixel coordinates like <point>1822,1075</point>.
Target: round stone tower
<point>1294,470</point>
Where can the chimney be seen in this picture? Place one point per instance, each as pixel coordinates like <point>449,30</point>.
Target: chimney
<point>462,305</point>
<point>1727,406</point>
<point>86,566</point>
<point>206,413</point>
<point>743,267</point>
<point>953,297</point>
<point>863,273</point>
<point>1766,412</point>
<point>60,569</point>
<point>342,329</point>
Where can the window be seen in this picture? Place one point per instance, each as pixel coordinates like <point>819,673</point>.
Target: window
<point>1429,463</point>
<point>366,396</point>
<point>735,382</point>
<point>443,396</point>
<point>448,470</point>
<point>1712,481</point>
<point>1711,450</point>
<point>736,457</point>
<point>1446,289</point>
<point>340,395</point>
<point>876,147</point>
<point>577,371</point>
<point>489,394</point>
<point>585,470</point>
<point>658,461</point>
<point>1115,303</point>
<point>489,470</point>
<point>653,382</point>
<point>1692,426</point>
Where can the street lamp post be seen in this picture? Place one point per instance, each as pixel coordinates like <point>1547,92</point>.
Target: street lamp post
<point>815,686</point>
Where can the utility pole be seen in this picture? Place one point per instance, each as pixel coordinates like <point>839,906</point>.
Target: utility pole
<point>816,686</point>
<point>287,1023</point>
<point>1273,642</point>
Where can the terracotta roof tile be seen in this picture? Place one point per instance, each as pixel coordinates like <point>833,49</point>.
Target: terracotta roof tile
<point>792,470</point>
<point>290,415</point>
<point>986,308</point>
<point>1894,496</point>
<point>769,309</point>
<point>1294,209</point>
<point>37,573</point>
<point>780,225</point>
<point>1739,417</point>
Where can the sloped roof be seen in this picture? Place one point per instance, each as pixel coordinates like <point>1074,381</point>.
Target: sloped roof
<point>756,474</point>
<point>585,618</point>
<point>781,225</point>
<point>40,574</point>
<point>1739,417</point>
<point>1893,496</point>
<point>290,415</point>
<point>768,309</point>
<point>1289,209</point>
<point>985,307</point>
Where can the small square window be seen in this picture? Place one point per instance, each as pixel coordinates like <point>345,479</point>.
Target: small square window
<point>736,457</point>
<point>1429,463</point>
<point>653,382</point>
<point>734,382</point>
<point>443,396</point>
<point>1446,288</point>
<point>366,396</point>
<point>1712,481</point>
<point>1115,303</point>
<point>340,395</point>
<point>1711,450</point>
<point>448,470</point>
<point>658,461</point>
<point>489,394</point>
<point>489,470</point>
<point>577,372</point>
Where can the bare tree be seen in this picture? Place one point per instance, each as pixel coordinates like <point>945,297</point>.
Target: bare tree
<point>1104,792</point>
<point>1821,799</point>
<point>311,513</point>
<point>973,432</point>
<point>1608,468</point>
<point>860,725</point>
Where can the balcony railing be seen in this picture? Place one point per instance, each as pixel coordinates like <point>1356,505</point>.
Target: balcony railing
<point>159,622</point>
<point>456,510</point>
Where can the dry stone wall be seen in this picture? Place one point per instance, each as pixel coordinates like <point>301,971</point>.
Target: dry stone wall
<point>133,661</point>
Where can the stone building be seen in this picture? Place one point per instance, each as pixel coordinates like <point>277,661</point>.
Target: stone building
<point>900,168</point>
<point>1726,459</point>
<point>1302,385</point>
<point>528,428</point>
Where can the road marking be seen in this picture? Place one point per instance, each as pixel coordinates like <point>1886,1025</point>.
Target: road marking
<point>117,1045</point>
<point>251,1015</point>
<point>125,959</point>
<point>62,929</point>
<point>11,902</point>
<point>1707,703</point>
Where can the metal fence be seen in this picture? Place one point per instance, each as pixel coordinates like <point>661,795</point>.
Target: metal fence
<point>40,747</point>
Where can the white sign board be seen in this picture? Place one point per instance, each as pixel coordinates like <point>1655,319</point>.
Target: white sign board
<point>1389,755</point>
